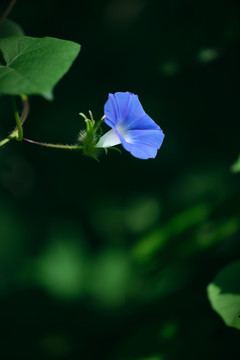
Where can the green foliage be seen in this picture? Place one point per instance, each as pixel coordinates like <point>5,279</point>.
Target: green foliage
<point>224,294</point>
<point>236,166</point>
<point>34,65</point>
<point>110,261</point>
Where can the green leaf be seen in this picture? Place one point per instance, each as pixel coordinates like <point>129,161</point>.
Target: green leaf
<point>236,166</point>
<point>33,66</point>
<point>224,294</point>
<point>10,28</point>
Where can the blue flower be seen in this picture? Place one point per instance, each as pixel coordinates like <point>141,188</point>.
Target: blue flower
<point>131,126</point>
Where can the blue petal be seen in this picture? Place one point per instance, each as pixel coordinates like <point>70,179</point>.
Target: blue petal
<point>140,151</point>
<point>142,144</point>
<point>110,112</point>
<point>136,118</point>
<point>124,108</point>
<point>143,123</point>
<point>138,133</point>
<point>148,137</point>
<point>116,108</point>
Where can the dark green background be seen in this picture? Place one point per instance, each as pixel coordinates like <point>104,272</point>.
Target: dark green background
<point>111,260</point>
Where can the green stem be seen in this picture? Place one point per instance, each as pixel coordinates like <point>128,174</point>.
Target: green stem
<point>18,121</point>
<point>25,110</point>
<point>15,133</point>
<point>55,146</point>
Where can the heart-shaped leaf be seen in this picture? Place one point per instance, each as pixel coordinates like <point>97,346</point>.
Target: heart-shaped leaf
<point>34,65</point>
<point>224,294</point>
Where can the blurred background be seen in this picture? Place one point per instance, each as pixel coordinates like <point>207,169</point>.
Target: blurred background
<point>111,260</point>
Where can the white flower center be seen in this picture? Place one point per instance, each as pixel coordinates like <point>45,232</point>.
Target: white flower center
<point>109,139</point>
<point>122,131</point>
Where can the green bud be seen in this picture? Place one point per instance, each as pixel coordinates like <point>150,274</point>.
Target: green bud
<point>90,136</point>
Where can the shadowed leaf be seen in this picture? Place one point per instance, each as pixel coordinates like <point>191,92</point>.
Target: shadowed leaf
<point>34,65</point>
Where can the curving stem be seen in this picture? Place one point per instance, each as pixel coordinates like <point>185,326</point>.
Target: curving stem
<point>17,133</point>
<point>17,118</point>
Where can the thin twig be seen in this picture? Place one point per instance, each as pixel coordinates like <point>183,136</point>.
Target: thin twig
<point>25,110</point>
<point>55,146</point>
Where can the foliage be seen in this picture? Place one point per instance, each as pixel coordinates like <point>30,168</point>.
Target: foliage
<point>111,260</point>
<point>224,294</point>
<point>236,166</point>
<point>34,66</point>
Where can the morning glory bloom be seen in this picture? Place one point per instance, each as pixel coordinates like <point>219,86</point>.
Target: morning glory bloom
<point>131,126</point>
